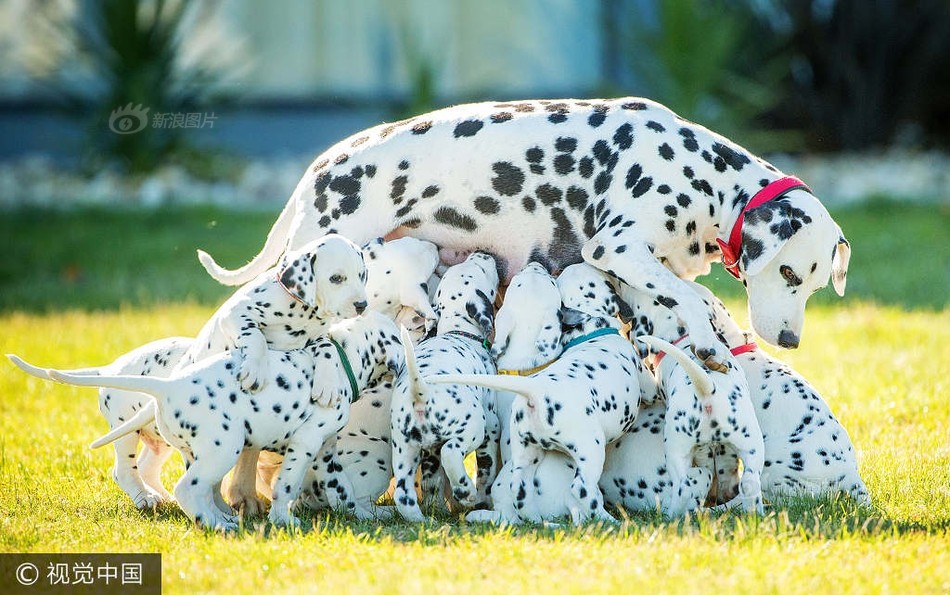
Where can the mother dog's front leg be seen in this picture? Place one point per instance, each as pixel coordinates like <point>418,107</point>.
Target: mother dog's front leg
<point>631,260</point>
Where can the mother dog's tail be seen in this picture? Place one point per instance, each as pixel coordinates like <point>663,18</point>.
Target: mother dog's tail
<point>274,246</point>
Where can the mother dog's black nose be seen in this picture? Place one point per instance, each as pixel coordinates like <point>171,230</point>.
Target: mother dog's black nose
<point>788,340</point>
<point>360,306</point>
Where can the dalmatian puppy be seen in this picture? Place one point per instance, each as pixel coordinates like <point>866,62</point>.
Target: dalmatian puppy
<point>283,309</point>
<point>579,403</point>
<point>204,412</point>
<point>136,474</point>
<point>623,184</point>
<point>450,421</point>
<point>634,478</point>
<point>706,413</point>
<point>399,272</point>
<point>713,411</point>
<point>527,336</point>
<point>807,450</point>
<point>397,275</point>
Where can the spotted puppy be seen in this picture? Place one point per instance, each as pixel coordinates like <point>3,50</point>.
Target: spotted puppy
<point>807,450</point>
<point>624,184</point>
<point>398,272</point>
<point>450,421</point>
<point>635,474</point>
<point>527,336</point>
<point>579,403</point>
<point>283,308</point>
<point>208,417</point>
<point>634,478</point>
<point>710,417</point>
<point>139,476</point>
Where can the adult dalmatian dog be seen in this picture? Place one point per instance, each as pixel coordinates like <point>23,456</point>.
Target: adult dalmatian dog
<point>623,184</point>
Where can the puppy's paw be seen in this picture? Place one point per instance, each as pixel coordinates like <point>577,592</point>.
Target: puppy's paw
<point>252,375</point>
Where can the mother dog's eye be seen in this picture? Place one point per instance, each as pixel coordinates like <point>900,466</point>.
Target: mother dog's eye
<point>790,275</point>
<point>337,279</point>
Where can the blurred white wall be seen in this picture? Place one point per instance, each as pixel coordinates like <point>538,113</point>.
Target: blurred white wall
<point>359,49</point>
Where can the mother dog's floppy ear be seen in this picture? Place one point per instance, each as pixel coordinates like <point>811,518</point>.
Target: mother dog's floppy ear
<point>297,277</point>
<point>765,231</point>
<point>839,264</point>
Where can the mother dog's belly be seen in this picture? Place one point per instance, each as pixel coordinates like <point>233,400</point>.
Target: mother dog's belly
<point>513,241</point>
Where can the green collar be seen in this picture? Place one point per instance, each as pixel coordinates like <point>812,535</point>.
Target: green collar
<point>348,369</point>
<point>583,338</point>
<point>485,342</point>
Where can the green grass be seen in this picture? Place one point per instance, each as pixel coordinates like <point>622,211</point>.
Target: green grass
<point>80,288</point>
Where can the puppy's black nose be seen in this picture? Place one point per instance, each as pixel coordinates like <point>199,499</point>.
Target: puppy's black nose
<point>788,340</point>
<point>360,306</point>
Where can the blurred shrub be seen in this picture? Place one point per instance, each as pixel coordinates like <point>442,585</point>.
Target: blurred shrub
<point>706,61</point>
<point>867,72</point>
<point>133,52</point>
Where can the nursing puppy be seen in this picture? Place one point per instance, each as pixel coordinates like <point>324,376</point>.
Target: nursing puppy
<point>579,403</point>
<point>450,421</point>
<point>634,478</point>
<point>710,417</point>
<point>527,336</point>
<point>398,273</point>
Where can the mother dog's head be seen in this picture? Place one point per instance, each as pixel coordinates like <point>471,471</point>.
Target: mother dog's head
<point>790,248</point>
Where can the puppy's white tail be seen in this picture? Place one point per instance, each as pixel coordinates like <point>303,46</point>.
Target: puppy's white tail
<point>697,375</point>
<point>150,385</point>
<point>274,246</point>
<point>417,384</point>
<point>525,386</point>
<point>142,418</point>
<point>44,372</point>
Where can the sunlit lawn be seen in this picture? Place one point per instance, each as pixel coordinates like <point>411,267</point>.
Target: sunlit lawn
<point>881,357</point>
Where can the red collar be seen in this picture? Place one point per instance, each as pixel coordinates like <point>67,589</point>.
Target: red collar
<point>772,191</point>
<point>659,356</point>
<point>752,346</point>
<point>745,348</point>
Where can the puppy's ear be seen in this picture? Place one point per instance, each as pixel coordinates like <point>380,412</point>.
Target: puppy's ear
<point>299,279</point>
<point>839,265</point>
<point>624,311</point>
<point>571,318</point>
<point>765,231</point>
<point>482,311</point>
<point>548,342</point>
<point>504,324</point>
<point>369,248</point>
